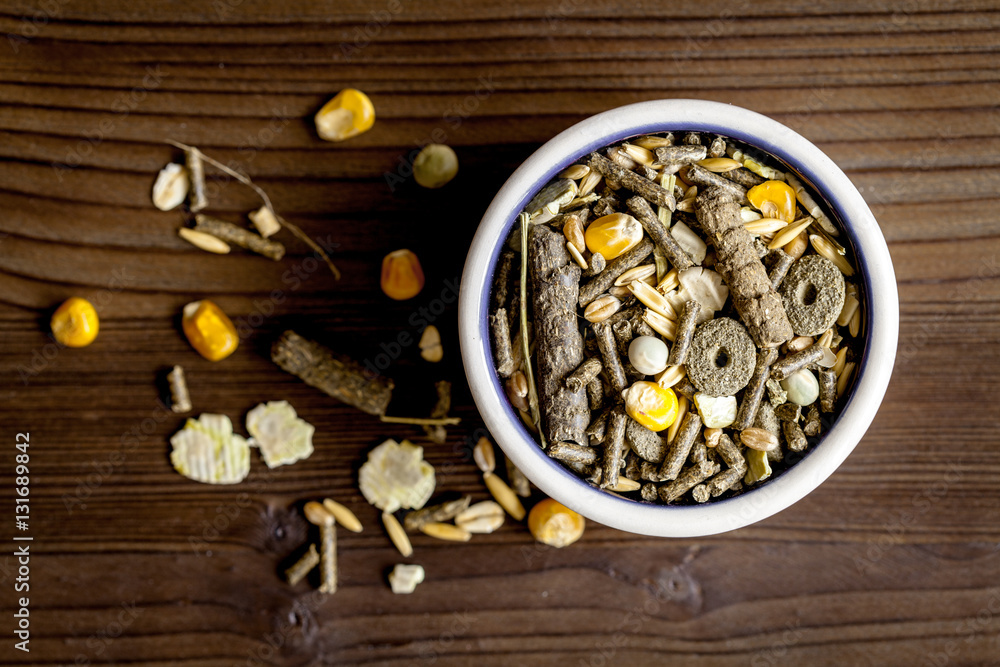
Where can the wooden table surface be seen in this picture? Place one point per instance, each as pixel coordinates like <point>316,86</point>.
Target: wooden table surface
<point>894,560</point>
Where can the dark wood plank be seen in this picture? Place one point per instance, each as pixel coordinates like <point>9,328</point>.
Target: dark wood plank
<point>893,560</point>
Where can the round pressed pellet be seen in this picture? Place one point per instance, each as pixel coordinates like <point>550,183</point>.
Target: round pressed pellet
<point>722,357</point>
<point>648,355</point>
<point>802,387</point>
<point>813,295</point>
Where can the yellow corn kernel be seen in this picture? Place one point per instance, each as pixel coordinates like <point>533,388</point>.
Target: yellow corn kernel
<point>651,405</point>
<point>347,115</point>
<point>402,277</point>
<point>774,199</point>
<point>613,235</point>
<point>75,323</point>
<point>208,329</point>
<point>554,524</point>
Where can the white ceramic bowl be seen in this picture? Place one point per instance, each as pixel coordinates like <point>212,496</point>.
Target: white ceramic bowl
<point>881,310</point>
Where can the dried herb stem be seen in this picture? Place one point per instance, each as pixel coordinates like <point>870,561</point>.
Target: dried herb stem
<point>422,421</point>
<point>302,236</point>
<point>245,180</point>
<point>528,373</point>
<point>668,181</point>
<point>436,513</point>
<point>196,170</point>
<point>780,265</point>
<point>237,235</point>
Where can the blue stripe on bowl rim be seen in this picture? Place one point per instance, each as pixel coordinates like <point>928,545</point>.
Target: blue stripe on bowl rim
<point>809,179</point>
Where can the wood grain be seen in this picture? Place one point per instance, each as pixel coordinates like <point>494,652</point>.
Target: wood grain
<point>894,560</point>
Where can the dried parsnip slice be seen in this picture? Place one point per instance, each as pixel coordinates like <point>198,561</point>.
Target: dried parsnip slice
<point>206,450</point>
<point>396,476</point>
<point>280,434</point>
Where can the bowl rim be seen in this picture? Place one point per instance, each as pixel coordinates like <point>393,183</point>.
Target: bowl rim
<point>871,375</point>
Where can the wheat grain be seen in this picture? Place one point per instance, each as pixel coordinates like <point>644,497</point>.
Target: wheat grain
<point>344,516</point>
<point>574,172</point>
<point>204,241</point>
<point>765,226</point>
<point>652,299</point>
<point>636,273</point>
<point>397,534</point>
<point>719,165</point>
<point>504,495</point>
<point>445,531</point>
<point>786,235</point>
<point>826,249</point>
<point>602,308</point>
<point>660,324</point>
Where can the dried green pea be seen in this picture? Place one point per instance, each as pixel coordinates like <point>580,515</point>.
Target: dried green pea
<point>435,166</point>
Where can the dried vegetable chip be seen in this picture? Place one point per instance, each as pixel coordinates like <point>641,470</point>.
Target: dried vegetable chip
<point>206,450</point>
<point>396,476</point>
<point>280,434</point>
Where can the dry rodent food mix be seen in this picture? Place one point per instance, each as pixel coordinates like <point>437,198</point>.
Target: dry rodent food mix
<point>674,318</point>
